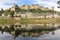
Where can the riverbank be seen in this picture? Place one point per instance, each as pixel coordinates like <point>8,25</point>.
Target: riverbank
<point>7,21</point>
<point>30,20</point>
<point>40,20</point>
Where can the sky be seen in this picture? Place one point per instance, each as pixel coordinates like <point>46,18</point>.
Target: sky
<point>5,4</point>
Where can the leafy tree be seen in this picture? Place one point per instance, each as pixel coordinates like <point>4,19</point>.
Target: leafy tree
<point>12,27</point>
<point>58,3</point>
<point>6,29</point>
<point>12,13</point>
<point>45,11</point>
<point>1,12</point>
<point>6,12</point>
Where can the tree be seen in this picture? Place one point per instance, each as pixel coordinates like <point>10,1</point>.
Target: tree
<point>12,14</point>
<point>45,12</point>
<point>58,3</point>
<point>1,12</point>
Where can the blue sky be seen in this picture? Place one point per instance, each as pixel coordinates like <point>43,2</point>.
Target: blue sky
<point>46,3</point>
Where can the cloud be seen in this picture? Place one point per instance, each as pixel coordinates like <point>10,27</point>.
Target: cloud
<point>5,4</point>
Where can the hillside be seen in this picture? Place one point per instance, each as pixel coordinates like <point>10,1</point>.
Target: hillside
<point>27,8</point>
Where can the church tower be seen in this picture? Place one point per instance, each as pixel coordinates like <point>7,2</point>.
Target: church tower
<point>13,8</point>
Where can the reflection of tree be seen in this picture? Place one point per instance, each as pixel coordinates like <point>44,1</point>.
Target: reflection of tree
<point>7,29</point>
<point>24,32</point>
<point>12,27</point>
<point>53,32</point>
<point>17,32</point>
<point>1,12</point>
<point>0,28</point>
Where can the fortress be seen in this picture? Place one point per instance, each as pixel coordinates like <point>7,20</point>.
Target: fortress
<point>33,11</point>
<point>34,6</point>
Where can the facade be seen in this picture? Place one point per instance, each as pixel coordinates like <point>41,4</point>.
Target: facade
<point>24,7</point>
<point>27,14</point>
<point>56,15</point>
<point>31,7</point>
<point>49,15</point>
<point>34,15</point>
<point>13,7</point>
<point>35,6</point>
<point>17,16</point>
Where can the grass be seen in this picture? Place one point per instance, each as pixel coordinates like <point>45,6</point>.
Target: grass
<point>40,20</point>
<point>29,20</point>
<point>7,21</point>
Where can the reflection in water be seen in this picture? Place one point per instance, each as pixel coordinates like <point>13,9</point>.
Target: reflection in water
<point>29,31</point>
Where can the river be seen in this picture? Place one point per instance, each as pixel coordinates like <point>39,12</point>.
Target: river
<point>30,32</point>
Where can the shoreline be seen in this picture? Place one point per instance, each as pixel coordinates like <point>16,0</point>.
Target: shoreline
<point>30,20</point>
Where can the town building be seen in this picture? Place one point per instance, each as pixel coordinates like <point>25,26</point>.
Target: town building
<point>25,7</point>
<point>28,14</point>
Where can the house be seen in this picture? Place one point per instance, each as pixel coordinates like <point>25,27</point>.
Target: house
<point>31,7</point>
<point>24,7</point>
<point>34,6</point>
<point>56,15</point>
<point>38,15</point>
<point>19,15</point>
<point>49,15</point>
<point>13,7</point>
<point>34,15</point>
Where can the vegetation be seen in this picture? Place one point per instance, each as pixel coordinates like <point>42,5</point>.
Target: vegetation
<point>40,20</point>
<point>58,3</point>
<point>7,21</point>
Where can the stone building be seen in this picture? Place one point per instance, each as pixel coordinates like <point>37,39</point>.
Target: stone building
<point>24,7</point>
<point>13,7</point>
<point>34,6</point>
<point>27,14</point>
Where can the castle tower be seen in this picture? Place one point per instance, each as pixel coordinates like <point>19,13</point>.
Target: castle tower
<point>25,7</point>
<point>13,7</point>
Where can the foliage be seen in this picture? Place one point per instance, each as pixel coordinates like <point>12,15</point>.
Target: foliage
<point>58,3</point>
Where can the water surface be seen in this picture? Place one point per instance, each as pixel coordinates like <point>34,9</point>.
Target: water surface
<point>30,32</point>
